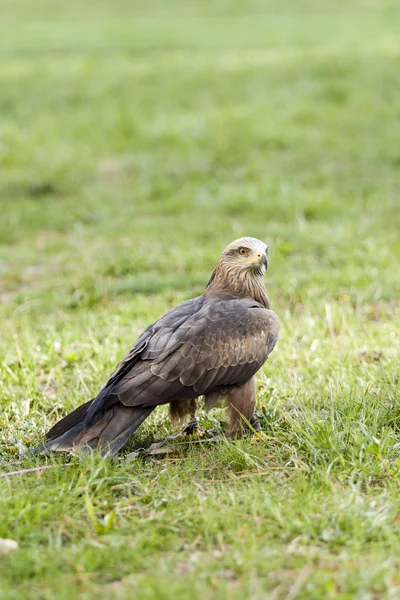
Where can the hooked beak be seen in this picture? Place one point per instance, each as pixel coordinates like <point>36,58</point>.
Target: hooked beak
<point>264,260</point>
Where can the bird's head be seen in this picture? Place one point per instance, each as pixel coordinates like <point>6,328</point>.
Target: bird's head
<point>244,255</point>
<point>240,270</point>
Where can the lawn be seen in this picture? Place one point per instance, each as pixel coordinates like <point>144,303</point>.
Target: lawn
<point>137,139</point>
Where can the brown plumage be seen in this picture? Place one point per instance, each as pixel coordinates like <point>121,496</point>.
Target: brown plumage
<point>209,346</point>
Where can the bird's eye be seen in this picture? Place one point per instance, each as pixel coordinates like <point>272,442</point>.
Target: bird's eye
<point>243,251</point>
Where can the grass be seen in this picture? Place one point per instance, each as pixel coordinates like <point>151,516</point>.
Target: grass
<point>137,140</point>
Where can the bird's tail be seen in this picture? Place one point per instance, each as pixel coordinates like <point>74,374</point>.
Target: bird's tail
<point>107,434</point>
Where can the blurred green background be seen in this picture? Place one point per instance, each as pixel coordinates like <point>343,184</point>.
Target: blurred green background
<point>137,139</point>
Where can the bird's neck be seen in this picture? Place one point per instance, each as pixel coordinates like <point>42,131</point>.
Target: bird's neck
<point>248,285</point>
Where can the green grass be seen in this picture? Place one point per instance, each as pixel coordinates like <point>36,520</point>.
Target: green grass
<point>137,139</point>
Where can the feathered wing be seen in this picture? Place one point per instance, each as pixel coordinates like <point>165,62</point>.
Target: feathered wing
<point>155,336</point>
<point>200,347</point>
<point>223,343</point>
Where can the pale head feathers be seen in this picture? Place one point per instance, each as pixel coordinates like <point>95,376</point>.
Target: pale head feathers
<point>240,270</point>
<point>249,242</point>
<point>244,253</point>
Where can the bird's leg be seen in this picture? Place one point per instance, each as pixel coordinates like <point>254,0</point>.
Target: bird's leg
<point>255,422</point>
<point>241,402</point>
<point>179,409</point>
<point>192,428</point>
<point>259,435</point>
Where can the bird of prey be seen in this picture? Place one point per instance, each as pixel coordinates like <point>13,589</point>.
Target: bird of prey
<point>209,346</point>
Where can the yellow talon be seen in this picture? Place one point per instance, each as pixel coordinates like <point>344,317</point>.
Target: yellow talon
<point>196,432</point>
<point>259,436</point>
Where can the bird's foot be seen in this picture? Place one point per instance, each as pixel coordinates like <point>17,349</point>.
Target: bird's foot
<point>259,436</point>
<point>192,428</point>
<point>255,422</point>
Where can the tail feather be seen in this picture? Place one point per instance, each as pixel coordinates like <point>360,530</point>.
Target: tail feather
<point>108,434</point>
<point>69,421</point>
<point>61,443</point>
<point>113,430</point>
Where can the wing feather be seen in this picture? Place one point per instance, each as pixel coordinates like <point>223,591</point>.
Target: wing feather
<point>212,343</point>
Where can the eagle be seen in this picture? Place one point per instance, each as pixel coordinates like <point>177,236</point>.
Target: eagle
<point>210,346</point>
